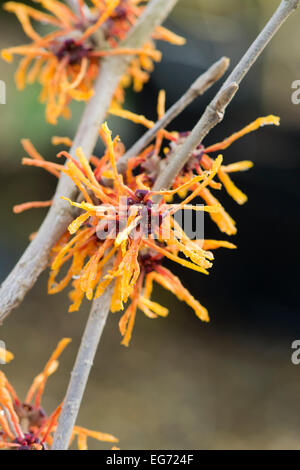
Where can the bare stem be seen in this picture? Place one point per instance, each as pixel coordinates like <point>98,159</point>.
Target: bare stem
<point>214,112</point>
<point>73,5</point>
<point>200,86</point>
<point>35,258</point>
<point>83,364</point>
<point>280,15</point>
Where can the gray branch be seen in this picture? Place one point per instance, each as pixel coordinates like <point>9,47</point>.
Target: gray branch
<point>214,113</point>
<point>80,374</point>
<point>35,258</point>
<point>200,86</point>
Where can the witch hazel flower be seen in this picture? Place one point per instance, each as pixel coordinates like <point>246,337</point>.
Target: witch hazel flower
<point>142,235</point>
<point>154,159</point>
<point>123,224</point>
<point>67,60</point>
<point>24,425</point>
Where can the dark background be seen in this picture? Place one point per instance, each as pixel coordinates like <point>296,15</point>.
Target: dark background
<point>181,384</point>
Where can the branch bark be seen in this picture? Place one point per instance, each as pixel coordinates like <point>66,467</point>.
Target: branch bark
<point>214,112</point>
<point>35,258</point>
<point>200,86</point>
<point>83,364</point>
<point>100,308</point>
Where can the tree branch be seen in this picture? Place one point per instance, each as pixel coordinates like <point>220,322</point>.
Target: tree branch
<point>200,86</point>
<point>280,15</point>
<point>35,258</point>
<point>73,5</point>
<point>83,364</point>
<point>214,112</point>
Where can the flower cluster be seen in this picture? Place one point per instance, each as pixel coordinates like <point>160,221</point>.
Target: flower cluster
<point>25,425</point>
<point>126,230</point>
<point>67,59</point>
<point>200,160</point>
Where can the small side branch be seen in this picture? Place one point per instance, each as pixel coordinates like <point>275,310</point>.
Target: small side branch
<point>213,114</point>
<point>200,86</point>
<point>215,111</point>
<point>282,13</point>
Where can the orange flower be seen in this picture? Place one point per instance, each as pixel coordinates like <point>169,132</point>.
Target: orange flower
<point>25,425</point>
<point>123,223</point>
<point>66,61</point>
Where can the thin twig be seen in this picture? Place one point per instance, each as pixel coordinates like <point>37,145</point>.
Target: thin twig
<point>214,112</point>
<point>212,115</point>
<point>79,377</point>
<point>199,86</point>
<point>280,15</point>
<point>35,258</point>
<point>73,5</point>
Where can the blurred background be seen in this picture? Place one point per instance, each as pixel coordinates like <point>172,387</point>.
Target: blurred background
<point>229,384</point>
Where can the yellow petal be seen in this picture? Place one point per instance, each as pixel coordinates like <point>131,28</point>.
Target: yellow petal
<point>231,188</point>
